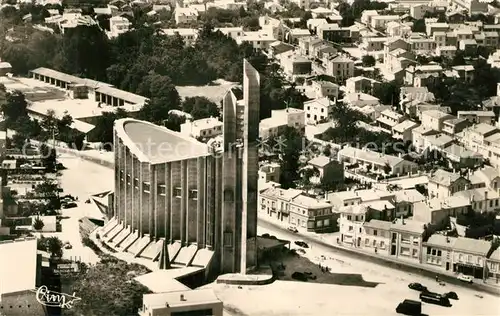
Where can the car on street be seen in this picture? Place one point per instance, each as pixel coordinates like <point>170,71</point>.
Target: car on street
<point>434,298</point>
<point>465,278</point>
<point>451,295</point>
<point>299,276</point>
<point>417,286</point>
<point>409,307</point>
<point>301,244</point>
<point>69,205</point>
<point>293,229</point>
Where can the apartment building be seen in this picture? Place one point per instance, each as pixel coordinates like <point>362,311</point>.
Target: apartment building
<point>492,273</point>
<point>333,32</point>
<point>406,239</point>
<point>377,236</point>
<point>444,184</point>
<point>452,127</point>
<point>469,256</point>
<point>437,252</point>
<point>419,135</point>
<point>380,21</point>
<point>351,221</point>
<point>279,120</point>
<point>423,45</point>
<point>294,207</point>
<point>477,117</point>
<point>361,84</point>
<point>413,71</point>
<point>404,202</point>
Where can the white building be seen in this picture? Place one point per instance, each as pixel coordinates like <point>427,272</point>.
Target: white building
<point>317,110</point>
<point>118,25</point>
<point>204,128</point>
<point>279,120</point>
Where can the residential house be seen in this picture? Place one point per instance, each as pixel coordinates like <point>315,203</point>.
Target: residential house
<point>303,4</point>
<point>446,51</point>
<point>413,71</point>
<point>469,46</point>
<point>399,29</point>
<point>404,201</point>
<point>202,128</point>
<point>360,100</point>
<point>437,211</point>
<point>469,256</point>
<point>380,21</point>
<point>462,157</point>
<point>328,168</point>
<point>423,45</point>
<point>295,34</point>
<point>490,176</point>
<point>492,273</point>
<point>185,15</point>
<point>377,236</point>
<point>481,199</point>
<point>431,28</point>
<point>351,221</point>
<point>378,162</point>
<point>406,239</point>
<point>361,84</point>
<point>435,119</point>
<point>261,39</point>
<point>455,17</point>
<point>340,67</point>
<point>367,15</point>
<point>232,32</point>
<point>317,110</point>
<point>464,72</point>
<point>470,6</point>
<point>436,142</point>
<point>333,32</point>
<point>451,127</point>
<point>279,120</point>
<point>475,117</point>
<point>388,119</point>
<point>373,44</point>
<point>270,172</point>
<point>437,252</point>
<point>410,94</point>
<point>277,48</point>
<point>118,25</point>
<point>418,11</point>
<point>419,135</point>
<point>188,35</point>
<point>403,130</point>
<point>295,66</point>
<point>313,24</point>
<point>275,202</point>
<point>440,39</point>
<point>444,184</point>
<point>322,89</point>
<point>474,137</point>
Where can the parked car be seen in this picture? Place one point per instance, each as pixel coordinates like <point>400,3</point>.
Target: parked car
<point>409,307</point>
<point>434,298</point>
<point>266,235</point>
<point>299,276</point>
<point>451,295</point>
<point>301,251</point>
<point>465,278</point>
<point>417,287</point>
<point>68,246</point>
<point>69,205</point>
<point>293,229</point>
<point>301,244</point>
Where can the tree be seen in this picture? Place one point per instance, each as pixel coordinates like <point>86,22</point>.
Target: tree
<point>387,169</point>
<point>18,140</point>
<point>368,61</point>
<point>418,26</point>
<point>49,157</point>
<point>55,247</point>
<point>14,107</point>
<point>47,189</point>
<point>290,149</point>
<point>387,92</point>
<point>103,131</point>
<point>200,107</point>
<point>38,224</point>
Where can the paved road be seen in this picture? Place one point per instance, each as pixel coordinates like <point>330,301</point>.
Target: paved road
<point>321,246</point>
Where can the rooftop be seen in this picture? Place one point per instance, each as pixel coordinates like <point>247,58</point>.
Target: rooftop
<point>482,128</point>
<point>157,144</point>
<point>410,195</point>
<point>409,226</point>
<point>309,202</point>
<point>479,194</point>
<point>441,241</point>
<point>405,125</point>
<point>320,161</point>
<point>436,114</point>
<point>469,245</point>
<point>377,224</point>
<point>19,274</point>
<point>370,156</point>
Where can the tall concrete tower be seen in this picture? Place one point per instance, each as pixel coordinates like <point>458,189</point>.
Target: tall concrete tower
<point>251,96</point>
<point>240,175</point>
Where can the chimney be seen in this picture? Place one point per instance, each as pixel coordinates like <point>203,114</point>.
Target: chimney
<point>359,96</point>
<point>182,298</point>
<point>447,239</point>
<point>402,220</point>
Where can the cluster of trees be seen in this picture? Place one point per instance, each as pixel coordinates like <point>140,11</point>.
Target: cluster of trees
<point>52,245</point>
<point>461,95</point>
<point>108,288</point>
<point>353,12</point>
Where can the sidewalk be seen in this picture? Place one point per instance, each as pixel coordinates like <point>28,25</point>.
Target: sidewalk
<point>422,269</point>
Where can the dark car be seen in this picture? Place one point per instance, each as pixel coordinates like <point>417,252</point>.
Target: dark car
<point>299,276</point>
<point>434,298</point>
<point>409,307</point>
<point>451,295</point>
<point>417,287</point>
<point>301,244</point>
<point>69,205</point>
